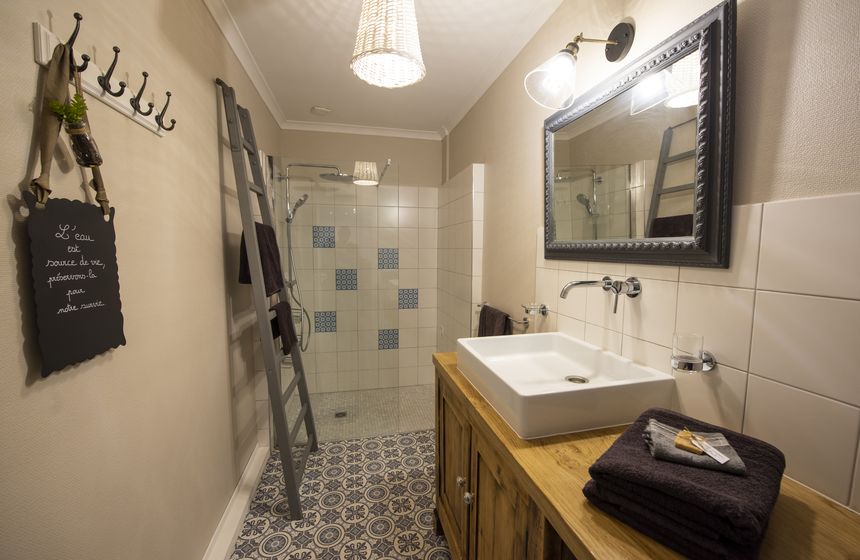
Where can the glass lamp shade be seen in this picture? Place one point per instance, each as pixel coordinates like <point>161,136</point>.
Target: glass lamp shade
<point>387,50</point>
<point>551,84</point>
<point>650,92</point>
<point>365,173</point>
<point>683,83</point>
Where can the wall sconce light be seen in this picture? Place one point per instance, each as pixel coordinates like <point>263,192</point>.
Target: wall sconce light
<point>552,83</point>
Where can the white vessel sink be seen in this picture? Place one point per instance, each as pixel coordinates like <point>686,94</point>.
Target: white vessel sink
<point>551,383</point>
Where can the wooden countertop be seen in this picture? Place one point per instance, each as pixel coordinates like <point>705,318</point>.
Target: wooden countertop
<point>553,470</point>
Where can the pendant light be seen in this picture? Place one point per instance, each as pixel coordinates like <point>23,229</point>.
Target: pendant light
<point>365,173</point>
<point>387,51</point>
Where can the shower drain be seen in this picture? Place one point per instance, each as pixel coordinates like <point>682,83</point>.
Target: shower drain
<point>340,414</point>
<point>576,379</point>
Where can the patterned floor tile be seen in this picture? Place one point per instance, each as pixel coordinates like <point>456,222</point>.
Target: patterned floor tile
<point>362,498</point>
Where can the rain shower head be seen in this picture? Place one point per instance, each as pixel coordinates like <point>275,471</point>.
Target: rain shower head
<point>338,177</point>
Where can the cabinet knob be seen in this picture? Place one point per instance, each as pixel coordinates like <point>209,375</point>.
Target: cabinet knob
<point>461,481</point>
<point>468,498</point>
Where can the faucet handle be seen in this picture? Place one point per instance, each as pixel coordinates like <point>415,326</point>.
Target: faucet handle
<point>632,287</point>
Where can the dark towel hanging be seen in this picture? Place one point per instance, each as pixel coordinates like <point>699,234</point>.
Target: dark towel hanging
<point>282,325</point>
<point>493,322</point>
<point>270,258</point>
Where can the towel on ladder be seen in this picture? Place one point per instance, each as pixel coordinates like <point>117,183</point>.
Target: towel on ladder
<point>282,325</point>
<point>493,322</point>
<point>270,258</point>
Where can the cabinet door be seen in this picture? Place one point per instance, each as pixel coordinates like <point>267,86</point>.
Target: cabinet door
<point>499,510</point>
<point>452,469</point>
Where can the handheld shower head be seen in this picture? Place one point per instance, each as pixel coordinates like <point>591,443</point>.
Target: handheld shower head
<point>302,199</point>
<point>291,212</point>
<point>587,202</point>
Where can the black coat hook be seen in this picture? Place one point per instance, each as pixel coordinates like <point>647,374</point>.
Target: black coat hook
<point>135,101</point>
<point>71,43</point>
<point>159,118</point>
<point>104,80</point>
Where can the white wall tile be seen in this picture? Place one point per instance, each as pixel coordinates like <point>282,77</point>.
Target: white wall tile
<point>574,304</point>
<point>408,197</point>
<point>541,324</point>
<point>611,268</point>
<point>408,217</point>
<point>743,253</point>
<point>570,326</point>
<point>646,353</point>
<point>387,216</point>
<point>817,435</point>
<point>603,338</point>
<point>427,218</point>
<point>808,342</point>
<point>599,305</point>
<point>366,216</point>
<point>716,396</point>
<point>407,238</point>
<point>368,379</point>
<point>365,195</point>
<point>652,271</point>
<point>723,316</point>
<point>651,315</point>
<point>386,195</point>
<point>546,287</point>
<point>428,197</point>
<point>809,246</point>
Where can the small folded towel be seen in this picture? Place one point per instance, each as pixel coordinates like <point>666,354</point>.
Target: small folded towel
<point>493,322</point>
<point>661,442</point>
<point>270,258</point>
<point>672,226</point>
<point>721,511</point>
<point>283,326</point>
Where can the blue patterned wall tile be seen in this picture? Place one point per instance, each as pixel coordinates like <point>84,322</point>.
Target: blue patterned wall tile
<point>325,321</point>
<point>407,298</point>
<point>323,237</point>
<point>389,339</point>
<point>389,258</point>
<point>346,279</point>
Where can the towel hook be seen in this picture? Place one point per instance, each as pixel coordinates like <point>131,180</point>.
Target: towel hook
<point>104,80</point>
<point>159,118</point>
<point>135,101</point>
<point>71,43</point>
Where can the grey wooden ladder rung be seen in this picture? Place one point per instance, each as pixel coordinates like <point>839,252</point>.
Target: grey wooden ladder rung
<point>242,142</point>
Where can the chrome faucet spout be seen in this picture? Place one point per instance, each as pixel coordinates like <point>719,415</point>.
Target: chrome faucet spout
<point>605,283</point>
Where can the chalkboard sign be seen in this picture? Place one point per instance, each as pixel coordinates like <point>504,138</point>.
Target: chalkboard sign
<point>76,282</point>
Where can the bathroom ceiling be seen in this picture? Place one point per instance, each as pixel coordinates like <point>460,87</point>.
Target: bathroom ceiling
<point>298,52</point>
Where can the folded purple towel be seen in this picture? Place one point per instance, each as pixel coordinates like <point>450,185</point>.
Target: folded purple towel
<point>678,504</point>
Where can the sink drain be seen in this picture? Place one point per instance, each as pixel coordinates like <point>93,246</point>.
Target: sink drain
<point>576,379</point>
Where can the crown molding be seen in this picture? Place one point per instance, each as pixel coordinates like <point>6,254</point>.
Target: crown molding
<point>359,129</point>
<point>230,29</point>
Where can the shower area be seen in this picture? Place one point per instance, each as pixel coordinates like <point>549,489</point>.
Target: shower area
<point>360,260</point>
<point>593,202</point>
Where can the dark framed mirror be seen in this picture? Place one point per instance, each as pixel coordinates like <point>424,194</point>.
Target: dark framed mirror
<point>639,169</point>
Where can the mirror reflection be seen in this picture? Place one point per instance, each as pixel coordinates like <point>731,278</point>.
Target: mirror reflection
<point>626,169</point>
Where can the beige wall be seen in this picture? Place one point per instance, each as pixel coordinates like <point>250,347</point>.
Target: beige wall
<point>796,122</point>
<point>133,454</point>
<point>419,162</point>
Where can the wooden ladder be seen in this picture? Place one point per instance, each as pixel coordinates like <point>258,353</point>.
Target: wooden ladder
<point>243,143</point>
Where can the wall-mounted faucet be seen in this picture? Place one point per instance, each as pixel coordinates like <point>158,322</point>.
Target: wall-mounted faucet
<point>631,287</point>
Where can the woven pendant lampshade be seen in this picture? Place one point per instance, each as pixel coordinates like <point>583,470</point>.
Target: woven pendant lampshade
<point>365,173</point>
<point>387,52</point>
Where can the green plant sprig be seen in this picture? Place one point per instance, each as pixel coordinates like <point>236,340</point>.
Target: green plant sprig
<point>72,112</point>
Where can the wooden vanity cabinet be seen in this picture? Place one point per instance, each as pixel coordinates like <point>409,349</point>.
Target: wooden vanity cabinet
<point>481,509</point>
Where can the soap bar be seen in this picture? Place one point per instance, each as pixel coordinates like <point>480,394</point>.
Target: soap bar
<point>684,441</point>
